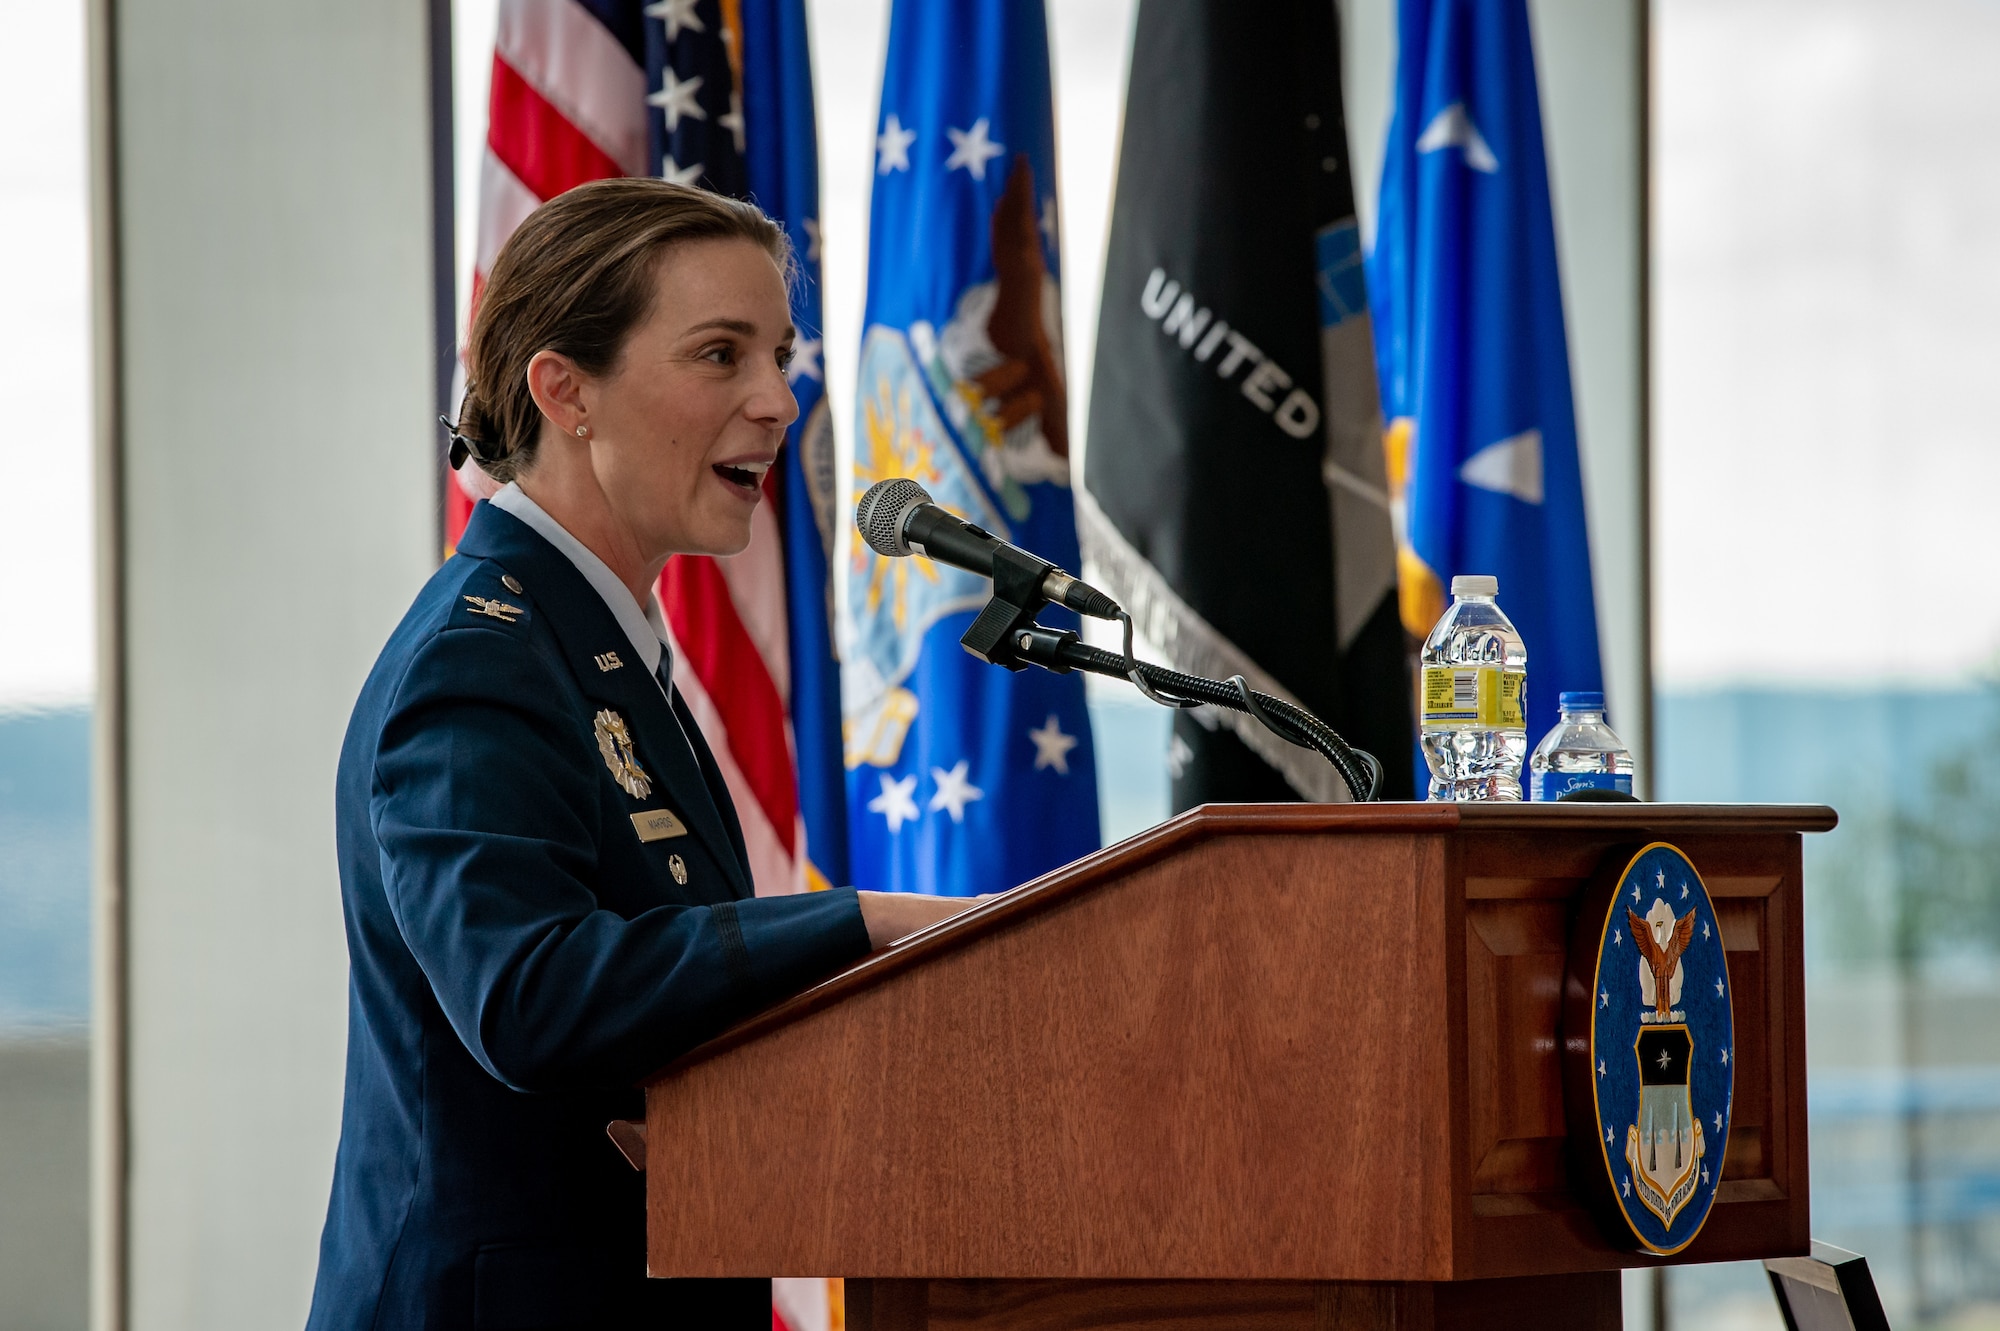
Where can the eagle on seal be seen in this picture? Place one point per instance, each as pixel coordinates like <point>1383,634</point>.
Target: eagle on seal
<point>1662,960</point>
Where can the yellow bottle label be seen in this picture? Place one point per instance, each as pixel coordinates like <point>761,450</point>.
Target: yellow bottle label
<point>1478,695</point>
<point>1510,703</point>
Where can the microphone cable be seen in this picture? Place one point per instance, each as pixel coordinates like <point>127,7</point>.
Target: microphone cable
<point>1360,769</point>
<point>883,517</point>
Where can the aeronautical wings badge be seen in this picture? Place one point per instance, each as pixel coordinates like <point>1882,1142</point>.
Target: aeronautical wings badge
<point>1648,1039</point>
<point>614,741</point>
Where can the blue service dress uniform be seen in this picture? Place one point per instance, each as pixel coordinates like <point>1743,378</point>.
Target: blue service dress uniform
<point>521,957</point>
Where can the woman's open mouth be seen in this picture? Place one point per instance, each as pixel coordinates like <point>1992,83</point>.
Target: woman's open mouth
<point>745,476</point>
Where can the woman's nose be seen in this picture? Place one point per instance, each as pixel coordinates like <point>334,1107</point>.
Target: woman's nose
<point>773,404</point>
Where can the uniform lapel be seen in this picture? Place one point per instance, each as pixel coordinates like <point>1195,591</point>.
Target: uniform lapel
<point>591,639</point>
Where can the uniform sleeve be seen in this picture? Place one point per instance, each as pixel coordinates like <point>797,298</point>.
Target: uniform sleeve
<point>486,811</point>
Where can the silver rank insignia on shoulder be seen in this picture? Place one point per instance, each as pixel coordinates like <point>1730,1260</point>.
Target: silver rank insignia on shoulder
<point>678,868</point>
<point>499,610</point>
<point>608,662</point>
<point>614,741</point>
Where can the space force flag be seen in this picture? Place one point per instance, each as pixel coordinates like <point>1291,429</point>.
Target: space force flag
<point>1236,498</point>
<point>962,777</point>
<point>1469,332</point>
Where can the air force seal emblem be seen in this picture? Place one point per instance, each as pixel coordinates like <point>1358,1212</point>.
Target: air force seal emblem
<point>1648,1077</point>
<point>614,742</point>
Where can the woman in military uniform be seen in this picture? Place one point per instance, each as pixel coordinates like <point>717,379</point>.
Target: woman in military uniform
<point>544,882</point>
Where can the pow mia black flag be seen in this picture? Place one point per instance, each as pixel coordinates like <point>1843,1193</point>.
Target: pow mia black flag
<point>1236,498</point>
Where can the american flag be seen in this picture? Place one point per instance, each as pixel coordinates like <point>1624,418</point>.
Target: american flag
<point>716,93</point>
<point>583,89</point>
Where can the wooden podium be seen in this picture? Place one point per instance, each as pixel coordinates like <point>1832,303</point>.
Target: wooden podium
<point>1264,1066</point>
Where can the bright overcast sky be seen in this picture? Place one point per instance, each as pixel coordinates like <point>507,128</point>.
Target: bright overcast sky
<point>46,608</point>
<point>1825,451</point>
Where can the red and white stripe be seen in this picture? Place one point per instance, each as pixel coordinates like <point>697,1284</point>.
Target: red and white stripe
<point>731,664</point>
<point>807,1305</point>
<point>568,105</point>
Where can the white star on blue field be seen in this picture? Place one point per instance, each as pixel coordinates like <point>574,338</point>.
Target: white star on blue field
<point>897,802</point>
<point>972,149</point>
<point>954,791</point>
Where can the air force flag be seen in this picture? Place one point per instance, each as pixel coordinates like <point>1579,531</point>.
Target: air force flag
<point>962,778</point>
<point>1469,339</point>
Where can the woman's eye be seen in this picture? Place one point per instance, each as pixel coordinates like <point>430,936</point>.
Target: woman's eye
<point>724,355</point>
<point>785,358</point>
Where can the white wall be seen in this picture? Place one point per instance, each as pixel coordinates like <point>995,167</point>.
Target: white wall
<point>273,200</point>
<point>1588,55</point>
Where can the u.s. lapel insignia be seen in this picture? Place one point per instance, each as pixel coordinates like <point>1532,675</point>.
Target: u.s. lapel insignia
<point>499,610</point>
<point>608,662</point>
<point>614,741</point>
<point>678,867</point>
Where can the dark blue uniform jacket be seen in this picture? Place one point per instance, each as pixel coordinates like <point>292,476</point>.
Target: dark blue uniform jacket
<point>521,958</point>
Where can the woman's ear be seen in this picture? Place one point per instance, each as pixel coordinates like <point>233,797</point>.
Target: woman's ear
<point>556,384</point>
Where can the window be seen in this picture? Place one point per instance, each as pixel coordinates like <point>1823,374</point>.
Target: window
<point>1826,279</point>
<point>46,673</point>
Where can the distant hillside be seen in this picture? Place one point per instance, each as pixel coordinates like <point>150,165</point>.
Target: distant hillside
<point>1913,870</point>
<point>1814,746</point>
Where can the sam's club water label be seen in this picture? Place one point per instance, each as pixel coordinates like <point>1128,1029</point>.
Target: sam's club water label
<point>1554,785</point>
<point>1580,752</point>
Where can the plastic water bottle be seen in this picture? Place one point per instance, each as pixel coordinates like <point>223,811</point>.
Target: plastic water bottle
<point>1581,753</point>
<point>1475,698</point>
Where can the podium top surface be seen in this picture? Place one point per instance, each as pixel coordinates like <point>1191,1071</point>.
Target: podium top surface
<point>1649,821</point>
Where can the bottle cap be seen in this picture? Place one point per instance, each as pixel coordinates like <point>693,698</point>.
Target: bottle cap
<point>1470,584</point>
<point>1580,702</point>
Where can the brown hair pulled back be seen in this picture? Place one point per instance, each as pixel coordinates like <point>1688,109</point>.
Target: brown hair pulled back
<point>577,277</point>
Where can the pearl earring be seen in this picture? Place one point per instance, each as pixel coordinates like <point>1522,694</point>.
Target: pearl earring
<point>583,432</point>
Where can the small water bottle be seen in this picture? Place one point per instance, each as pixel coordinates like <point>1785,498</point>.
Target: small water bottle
<point>1581,753</point>
<point>1475,697</point>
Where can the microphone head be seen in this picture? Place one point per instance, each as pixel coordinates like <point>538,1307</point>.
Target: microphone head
<point>883,510</point>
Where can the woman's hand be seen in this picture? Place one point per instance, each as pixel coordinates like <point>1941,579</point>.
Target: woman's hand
<point>893,915</point>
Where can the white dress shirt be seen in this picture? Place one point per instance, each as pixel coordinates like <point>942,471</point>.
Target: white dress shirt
<point>644,625</point>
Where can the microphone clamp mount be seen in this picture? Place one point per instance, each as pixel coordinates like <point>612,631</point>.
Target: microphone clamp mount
<point>1019,593</point>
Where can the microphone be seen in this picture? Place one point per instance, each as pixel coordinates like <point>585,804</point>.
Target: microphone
<point>897,517</point>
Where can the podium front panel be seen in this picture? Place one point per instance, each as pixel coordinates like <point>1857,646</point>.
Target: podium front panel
<point>1518,895</point>
<point>1256,1043</point>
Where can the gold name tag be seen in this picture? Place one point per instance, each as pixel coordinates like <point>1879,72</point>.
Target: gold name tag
<point>658,824</point>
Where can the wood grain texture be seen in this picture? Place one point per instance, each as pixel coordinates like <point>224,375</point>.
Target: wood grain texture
<point>888,1305</point>
<point>1546,1303</point>
<point>1523,1217</point>
<point>1271,1043</point>
<point>1181,1072</point>
<point>1590,1302</point>
<point>1071,1305</point>
<point>1593,826</point>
